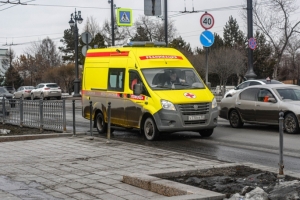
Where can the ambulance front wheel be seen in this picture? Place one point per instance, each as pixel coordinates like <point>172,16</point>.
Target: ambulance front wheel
<point>100,123</point>
<point>150,130</point>
<point>206,132</point>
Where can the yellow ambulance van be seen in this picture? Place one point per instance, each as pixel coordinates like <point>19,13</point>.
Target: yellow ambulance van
<point>152,88</point>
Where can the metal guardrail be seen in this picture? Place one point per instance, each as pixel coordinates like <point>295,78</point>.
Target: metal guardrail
<point>50,115</point>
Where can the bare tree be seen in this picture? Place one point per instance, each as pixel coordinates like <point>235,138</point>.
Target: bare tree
<point>290,63</point>
<point>44,55</point>
<point>224,62</point>
<point>273,18</point>
<point>92,26</point>
<point>121,34</point>
<point>155,28</point>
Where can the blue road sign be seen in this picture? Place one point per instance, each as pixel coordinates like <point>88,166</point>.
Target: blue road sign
<point>252,43</point>
<point>207,38</point>
<point>124,17</point>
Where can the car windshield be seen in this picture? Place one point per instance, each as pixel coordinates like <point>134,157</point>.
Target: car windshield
<point>3,90</point>
<point>172,78</point>
<point>289,94</point>
<point>52,85</point>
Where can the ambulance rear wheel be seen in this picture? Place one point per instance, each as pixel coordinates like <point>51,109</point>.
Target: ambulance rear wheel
<point>150,130</point>
<point>100,123</point>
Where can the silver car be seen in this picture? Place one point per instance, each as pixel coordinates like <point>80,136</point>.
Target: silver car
<point>245,84</point>
<point>261,104</point>
<point>46,91</point>
<point>23,92</point>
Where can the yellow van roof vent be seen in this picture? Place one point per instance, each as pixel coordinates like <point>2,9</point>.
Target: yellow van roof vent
<point>145,44</point>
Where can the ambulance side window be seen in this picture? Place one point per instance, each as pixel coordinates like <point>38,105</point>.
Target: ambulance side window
<point>133,79</point>
<point>116,79</point>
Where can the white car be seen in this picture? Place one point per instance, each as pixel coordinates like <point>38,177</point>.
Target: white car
<point>46,91</point>
<point>23,92</point>
<point>247,83</point>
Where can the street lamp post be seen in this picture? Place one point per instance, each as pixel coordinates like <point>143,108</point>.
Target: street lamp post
<point>73,24</point>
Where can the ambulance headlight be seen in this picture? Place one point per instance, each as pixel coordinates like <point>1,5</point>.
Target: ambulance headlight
<point>214,103</point>
<point>167,105</point>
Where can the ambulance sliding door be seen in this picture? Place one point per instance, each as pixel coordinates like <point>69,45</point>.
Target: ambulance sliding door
<point>115,95</point>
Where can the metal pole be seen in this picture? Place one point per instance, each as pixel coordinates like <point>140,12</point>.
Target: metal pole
<point>281,166</point>
<point>21,112</point>
<point>250,73</point>
<point>64,116</point>
<point>41,116</point>
<point>73,109</point>
<point>108,121</point>
<point>91,118</point>
<point>112,23</point>
<point>206,62</point>
<point>3,109</point>
<point>166,22</point>
<point>76,81</point>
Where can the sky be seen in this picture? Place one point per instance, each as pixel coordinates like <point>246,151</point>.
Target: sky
<point>22,24</point>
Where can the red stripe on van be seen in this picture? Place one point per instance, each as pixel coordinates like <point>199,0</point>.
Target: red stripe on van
<point>160,57</point>
<point>107,54</point>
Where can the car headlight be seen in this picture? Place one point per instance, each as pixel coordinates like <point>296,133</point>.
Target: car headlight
<point>214,103</point>
<point>167,105</point>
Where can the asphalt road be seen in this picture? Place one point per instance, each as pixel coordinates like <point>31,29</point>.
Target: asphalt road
<point>253,143</point>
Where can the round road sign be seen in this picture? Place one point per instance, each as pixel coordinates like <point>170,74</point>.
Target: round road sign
<point>86,37</point>
<point>207,21</point>
<point>252,43</point>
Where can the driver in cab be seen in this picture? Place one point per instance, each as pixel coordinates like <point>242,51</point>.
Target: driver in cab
<point>173,79</point>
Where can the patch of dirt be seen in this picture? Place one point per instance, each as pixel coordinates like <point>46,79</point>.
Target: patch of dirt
<point>17,130</point>
<point>233,180</point>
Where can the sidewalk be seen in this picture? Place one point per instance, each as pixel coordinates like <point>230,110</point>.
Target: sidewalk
<point>81,168</point>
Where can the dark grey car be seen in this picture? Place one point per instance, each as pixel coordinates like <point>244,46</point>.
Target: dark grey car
<point>261,104</point>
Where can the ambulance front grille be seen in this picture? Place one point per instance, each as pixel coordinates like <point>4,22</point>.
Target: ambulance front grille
<point>194,109</point>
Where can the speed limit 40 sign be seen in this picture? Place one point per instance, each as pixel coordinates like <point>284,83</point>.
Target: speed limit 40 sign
<point>207,21</point>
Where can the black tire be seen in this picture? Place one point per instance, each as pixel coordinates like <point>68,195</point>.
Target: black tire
<point>58,98</point>
<point>235,119</point>
<point>100,124</point>
<point>206,132</point>
<point>150,130</point>
<point>290,124</point>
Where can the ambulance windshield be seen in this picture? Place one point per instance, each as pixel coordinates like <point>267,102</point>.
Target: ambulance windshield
<point>172,78</point>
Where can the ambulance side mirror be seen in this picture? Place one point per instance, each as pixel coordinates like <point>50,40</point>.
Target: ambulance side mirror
<point>138,89</point>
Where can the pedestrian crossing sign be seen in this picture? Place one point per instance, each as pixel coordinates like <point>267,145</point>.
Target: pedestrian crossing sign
<point>124,17</point>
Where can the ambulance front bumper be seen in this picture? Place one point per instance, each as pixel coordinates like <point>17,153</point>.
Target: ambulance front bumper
<point>174,121</point>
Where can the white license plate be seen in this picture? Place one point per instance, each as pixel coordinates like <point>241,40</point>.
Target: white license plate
<point>54,92</point>
<point>196,117</point>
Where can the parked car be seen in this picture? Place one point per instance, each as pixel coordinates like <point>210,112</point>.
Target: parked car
<point>23,92</point>
<point>247,83</point>
<point>46,91</point>
<point>261,104</point>
<point>10,89</point>
<point>4,94</point>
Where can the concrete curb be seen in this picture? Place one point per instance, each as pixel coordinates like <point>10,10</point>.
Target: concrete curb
<point>154,181</point>
<point>36,136</point>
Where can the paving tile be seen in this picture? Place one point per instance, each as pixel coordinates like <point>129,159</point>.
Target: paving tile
<point>82,196</point>
<point>100,186</point>
<point>109,197</point>
<point>65,190</point>
<point>92,191</point>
